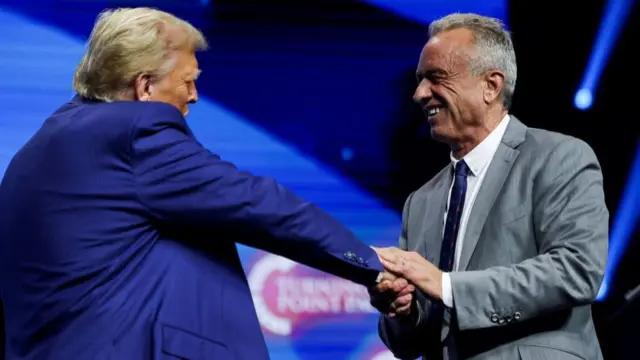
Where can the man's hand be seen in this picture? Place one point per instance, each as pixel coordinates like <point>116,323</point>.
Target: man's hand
<point>392,296</point>
<point>413,267</point>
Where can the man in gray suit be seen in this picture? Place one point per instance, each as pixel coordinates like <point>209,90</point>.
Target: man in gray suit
<point>507,245</point>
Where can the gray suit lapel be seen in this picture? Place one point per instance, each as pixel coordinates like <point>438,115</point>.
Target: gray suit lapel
<point>495,177</point>
<point>434,217</point>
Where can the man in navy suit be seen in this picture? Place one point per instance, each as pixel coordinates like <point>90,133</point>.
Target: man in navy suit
<point>118,230</point>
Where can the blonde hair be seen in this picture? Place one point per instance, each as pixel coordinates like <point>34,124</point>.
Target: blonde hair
<point>128,42</point>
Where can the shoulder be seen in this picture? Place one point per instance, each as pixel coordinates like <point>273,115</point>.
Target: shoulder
<point>147,114</point>
<point>120,115</point>
<point>544,150</point>
<point>134,121</point>
<point>555,159</point>
<point>554,148</point>
<point>139,119</point>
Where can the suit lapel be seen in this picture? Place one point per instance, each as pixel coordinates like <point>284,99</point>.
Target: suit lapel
<point>434,217</point>
<point>494,179</point>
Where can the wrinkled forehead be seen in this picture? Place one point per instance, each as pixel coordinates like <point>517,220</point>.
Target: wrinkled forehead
<point>447,49</point>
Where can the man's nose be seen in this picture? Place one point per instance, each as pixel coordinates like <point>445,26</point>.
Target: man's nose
<point>422,94</point>
<point>193,96</point>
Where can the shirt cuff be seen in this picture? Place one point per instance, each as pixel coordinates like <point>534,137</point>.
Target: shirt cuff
<point>379,278</point>
<point>447,294</point>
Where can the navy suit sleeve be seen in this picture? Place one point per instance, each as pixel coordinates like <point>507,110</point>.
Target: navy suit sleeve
<point>181,182</point>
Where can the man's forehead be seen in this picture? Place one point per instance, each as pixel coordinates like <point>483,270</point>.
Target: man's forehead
<point>457,35</point>
<point>450,41</point>
<point>190,65</point>
<point>446,47</point>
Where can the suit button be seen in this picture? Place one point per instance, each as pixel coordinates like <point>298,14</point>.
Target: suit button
<point>349,255</point>
<point>508,319</point>
<point>517,315</point>
<point>494,318</point>
<point>501,321</point>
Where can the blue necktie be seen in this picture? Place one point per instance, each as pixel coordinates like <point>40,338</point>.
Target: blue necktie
<point>454,213</point>
<point>448,249</point>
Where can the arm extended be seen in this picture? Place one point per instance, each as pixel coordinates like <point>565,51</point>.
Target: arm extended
<point>182,183</point>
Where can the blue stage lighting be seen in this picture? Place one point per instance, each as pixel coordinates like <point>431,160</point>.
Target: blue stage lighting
<point>615,15</point>
<point>583,99</point>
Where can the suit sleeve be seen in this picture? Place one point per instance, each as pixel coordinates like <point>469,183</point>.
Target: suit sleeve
<point>182,183</point>
<point>408,337</point>
<point>571,229</point>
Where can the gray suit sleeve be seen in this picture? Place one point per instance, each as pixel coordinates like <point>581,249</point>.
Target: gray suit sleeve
<point>571,230</point>
<point>406,337</point>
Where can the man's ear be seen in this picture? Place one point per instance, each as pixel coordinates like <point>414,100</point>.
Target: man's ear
<point>143,87</point>
<point>494,81</point>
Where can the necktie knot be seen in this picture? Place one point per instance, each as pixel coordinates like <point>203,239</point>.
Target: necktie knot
<point>462,168</point>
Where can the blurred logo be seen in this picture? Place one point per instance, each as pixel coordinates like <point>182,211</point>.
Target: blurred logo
<point>286,293</point>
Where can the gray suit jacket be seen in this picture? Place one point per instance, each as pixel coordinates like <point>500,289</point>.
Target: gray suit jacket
<point>532,262</point>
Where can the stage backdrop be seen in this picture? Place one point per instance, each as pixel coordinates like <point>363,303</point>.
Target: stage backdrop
<point>303,93</point>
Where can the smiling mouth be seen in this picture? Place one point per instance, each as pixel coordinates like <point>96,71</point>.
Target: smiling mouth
<point>433,110</point>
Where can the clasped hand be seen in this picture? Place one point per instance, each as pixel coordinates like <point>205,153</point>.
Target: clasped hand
<point>405,272</point>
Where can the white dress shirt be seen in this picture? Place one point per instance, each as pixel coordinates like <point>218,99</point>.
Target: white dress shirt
<point>478,161</point>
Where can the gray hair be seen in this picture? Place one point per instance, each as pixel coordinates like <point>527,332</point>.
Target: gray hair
<point>128,42</point>
<point>493,44</point>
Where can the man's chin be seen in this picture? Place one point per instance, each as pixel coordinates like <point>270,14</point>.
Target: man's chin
<point>436,133</point>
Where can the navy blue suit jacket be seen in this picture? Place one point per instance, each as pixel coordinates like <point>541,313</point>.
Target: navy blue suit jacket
<point>118,240</point>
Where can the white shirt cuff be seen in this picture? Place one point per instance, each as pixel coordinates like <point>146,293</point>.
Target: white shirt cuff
<point>447,293</point>
<point>379,278</point>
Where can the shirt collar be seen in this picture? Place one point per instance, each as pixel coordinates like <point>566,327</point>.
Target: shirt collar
<point>482,154</point>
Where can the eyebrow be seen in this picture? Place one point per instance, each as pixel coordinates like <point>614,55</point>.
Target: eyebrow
<point>196,74</point>
<point>434,72</point>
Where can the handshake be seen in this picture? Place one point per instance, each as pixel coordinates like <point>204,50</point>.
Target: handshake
<point>405,272</point>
